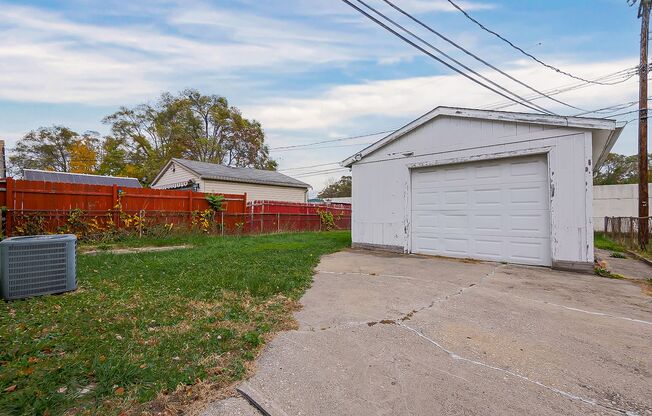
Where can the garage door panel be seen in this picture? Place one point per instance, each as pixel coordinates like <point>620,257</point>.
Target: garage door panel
<point>455,222</point>
<point>488,197</point>
<point>455,198</point>
<point>532,197</point>
<point>527,251</point>
<point>489,223</point>
<point>489,171</point>
<point>489,248</point>
<point>530,168</point>
<point>429,199</point>
<point>455,245</point>
<point>494,210</point>
<point>531,223</point>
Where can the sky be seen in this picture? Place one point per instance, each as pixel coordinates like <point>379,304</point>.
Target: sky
<point>308,70</point>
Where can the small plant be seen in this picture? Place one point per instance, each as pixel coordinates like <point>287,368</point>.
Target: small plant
<point>30,224</point>
<point>603,272</point>
<point>216,202</point>
<point>202,220</point>
<point>327,220</point>
<point>239,227</point>
<point>617,255</point>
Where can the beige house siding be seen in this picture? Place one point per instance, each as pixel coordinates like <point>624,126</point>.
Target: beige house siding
<point>255,192</point>
<point>179,175</point>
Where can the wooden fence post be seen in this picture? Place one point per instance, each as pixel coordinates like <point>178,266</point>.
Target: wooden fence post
<point>115,208</point>
<point>11,205</point>
<point>278,222</point>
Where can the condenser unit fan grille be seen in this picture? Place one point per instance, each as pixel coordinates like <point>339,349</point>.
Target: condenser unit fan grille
<point>38,265</point>
<point>36,270</point>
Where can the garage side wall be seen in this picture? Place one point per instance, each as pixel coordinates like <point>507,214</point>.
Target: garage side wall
<point>382,189</point>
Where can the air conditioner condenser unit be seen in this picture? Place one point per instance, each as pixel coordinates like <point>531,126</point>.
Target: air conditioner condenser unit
<point>37,265</point>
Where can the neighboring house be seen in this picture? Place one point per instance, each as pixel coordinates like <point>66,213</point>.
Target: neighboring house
<point>615,201</point>
<point>338,200</point>
<point>81,178</point>
<point>258,184</point>
<point>488,185</point>
<point>3,161</point>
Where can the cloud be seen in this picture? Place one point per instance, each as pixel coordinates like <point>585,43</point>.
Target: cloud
<point>47,57</point>
<point>424,6</point>
<point>410,97</point>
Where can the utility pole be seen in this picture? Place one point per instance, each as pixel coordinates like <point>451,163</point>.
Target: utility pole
<point>643,208</point>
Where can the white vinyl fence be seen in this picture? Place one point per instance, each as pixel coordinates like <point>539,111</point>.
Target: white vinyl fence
<point>615,201</point>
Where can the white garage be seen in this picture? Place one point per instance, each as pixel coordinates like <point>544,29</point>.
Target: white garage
<point>487,185</point>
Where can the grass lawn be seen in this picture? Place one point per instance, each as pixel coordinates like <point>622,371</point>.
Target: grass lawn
<point>603,242</point>
<point>148,323</point>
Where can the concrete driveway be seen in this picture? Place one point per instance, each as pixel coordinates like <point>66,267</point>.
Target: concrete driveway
<point>405,335</point>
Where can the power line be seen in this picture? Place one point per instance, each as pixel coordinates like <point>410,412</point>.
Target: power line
<point>332,140</point>
<point>308,167</point>
<point>439,59</point>
<point>321,172</point>
<point>383,16</point>
<point>624,74</point>
<point>471,54</point>
<point>326,147</point>
<point>483,27</point>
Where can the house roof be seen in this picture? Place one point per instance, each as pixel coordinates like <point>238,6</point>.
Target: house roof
<point>214,171</point>
<point>80,178</point>
<point>599,124</point>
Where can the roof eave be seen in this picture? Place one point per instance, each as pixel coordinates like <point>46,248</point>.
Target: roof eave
<point>227,179</point>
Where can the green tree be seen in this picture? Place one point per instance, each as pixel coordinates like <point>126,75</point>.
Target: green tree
<point>189,125</point>
<point>617,169</point>
<point>55,148</point>
<point>341,188</point>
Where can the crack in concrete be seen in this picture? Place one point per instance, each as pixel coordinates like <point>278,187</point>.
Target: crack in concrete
<point>563,393</point>
<point>404,317</point>
<point>606,315</point>
<point>400,322</point>
<point>396,276</point>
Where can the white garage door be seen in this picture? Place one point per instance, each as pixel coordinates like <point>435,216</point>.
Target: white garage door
<point>492,210</point>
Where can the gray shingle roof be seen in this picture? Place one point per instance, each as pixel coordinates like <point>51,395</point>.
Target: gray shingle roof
<point>233,174</point>
<point>47,176</point>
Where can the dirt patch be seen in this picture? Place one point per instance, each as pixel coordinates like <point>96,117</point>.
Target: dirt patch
<point>93,251</point>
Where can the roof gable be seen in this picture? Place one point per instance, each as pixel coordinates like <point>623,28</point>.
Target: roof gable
<point>503,116</point>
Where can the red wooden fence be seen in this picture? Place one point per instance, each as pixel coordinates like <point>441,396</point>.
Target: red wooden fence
<point>53,203</point>
<point>295,215</point>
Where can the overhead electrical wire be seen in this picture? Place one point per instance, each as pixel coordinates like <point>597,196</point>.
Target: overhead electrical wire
<point>486,29</point>
<point>322,172</point>
<point>474,56</point>
<point>430,54</point>
<point>308,167</point>
<point>331,140</point>
<point>325,147</point>
<point>624,74</point>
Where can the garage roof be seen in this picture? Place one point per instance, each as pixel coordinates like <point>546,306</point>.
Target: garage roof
<point>611,127</point>
<point>80,178</point>
<point>214,171</point>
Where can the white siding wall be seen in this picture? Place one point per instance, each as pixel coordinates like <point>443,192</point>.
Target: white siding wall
<point>381,181</point>
<point>179,175</point>
<point>615,201</point>
<point>255,192</point>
